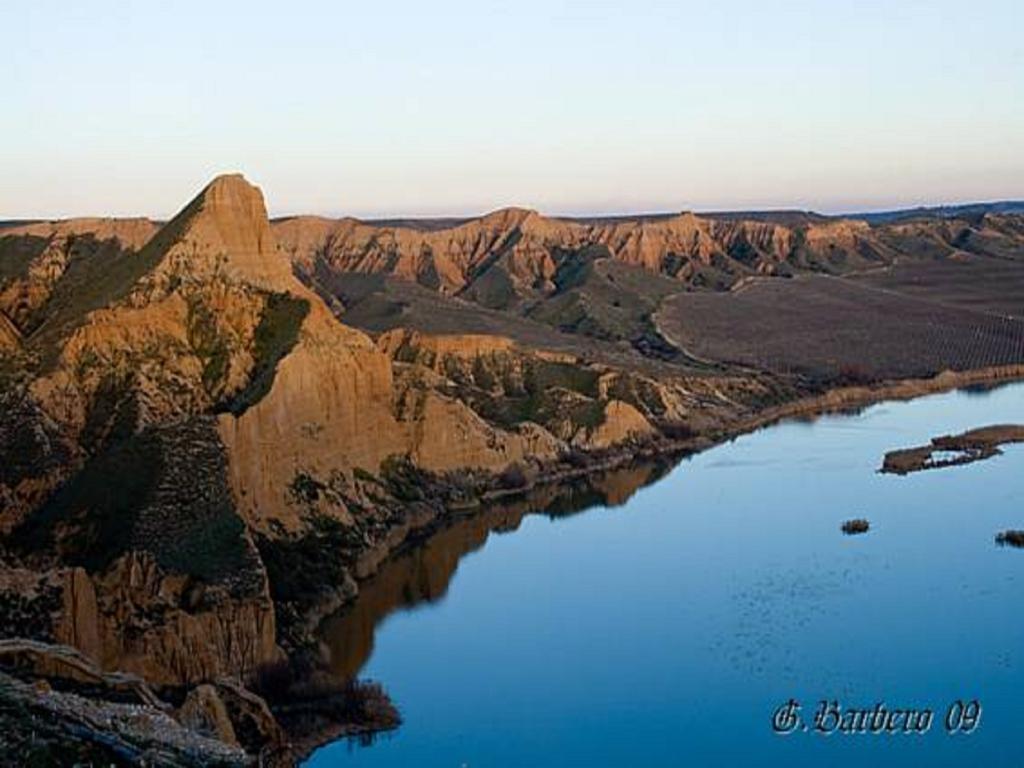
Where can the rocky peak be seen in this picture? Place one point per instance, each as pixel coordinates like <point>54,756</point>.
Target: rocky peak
<point>225,230</point>
<point>237,208</point>
<point>506,218</point>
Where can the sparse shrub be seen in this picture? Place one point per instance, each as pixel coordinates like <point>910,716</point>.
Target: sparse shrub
<point>1010,539</point>
<point>513,476</point>
<point>677,430</point>
<point>588,415</point>
<point>402,477</point>
<point>854,374</point>
<point>324,702</point>
<point>576,458</point>
<point>855,526</point>
<point>299,567</point>
<point>361,474</point>
<point>305,489</point>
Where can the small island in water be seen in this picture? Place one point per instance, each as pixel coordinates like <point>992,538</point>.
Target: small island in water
<point>951,450</point>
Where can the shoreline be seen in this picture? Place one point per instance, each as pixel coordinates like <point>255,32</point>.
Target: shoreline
<point>428,519</point>
<point>654,449</point>
<point>659,447</point>
<point>817,405</point>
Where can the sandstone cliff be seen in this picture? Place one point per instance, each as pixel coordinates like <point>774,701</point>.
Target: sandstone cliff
<point>516,253</point>
<point>602,279</point>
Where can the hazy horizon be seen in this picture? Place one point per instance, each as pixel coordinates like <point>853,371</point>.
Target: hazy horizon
<point>400,216</point>
<point>569,108</point>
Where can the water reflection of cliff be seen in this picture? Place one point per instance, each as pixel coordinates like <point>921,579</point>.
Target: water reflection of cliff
<point>421,572</point>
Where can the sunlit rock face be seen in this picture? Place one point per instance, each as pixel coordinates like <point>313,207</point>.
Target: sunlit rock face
<point>43,262</point>
<point>514,254</point>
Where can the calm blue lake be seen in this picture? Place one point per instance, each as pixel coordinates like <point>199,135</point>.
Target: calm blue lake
<point>665,626</point>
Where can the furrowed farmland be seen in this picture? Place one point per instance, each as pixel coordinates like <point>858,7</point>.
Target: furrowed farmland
<point>994,286</point>
<point>840,329</point>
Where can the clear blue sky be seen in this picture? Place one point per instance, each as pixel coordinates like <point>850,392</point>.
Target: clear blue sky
<point>418,108</point>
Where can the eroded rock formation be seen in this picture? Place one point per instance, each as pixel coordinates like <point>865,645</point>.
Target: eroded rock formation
<point>514,254</point>
<point>198,459</point>
<point>196,410</point>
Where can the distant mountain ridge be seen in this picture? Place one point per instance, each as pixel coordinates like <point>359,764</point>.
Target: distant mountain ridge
<point>780,215</point>
<point>515,259</point>
<point>942,211</point>
<point>515,255</point>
